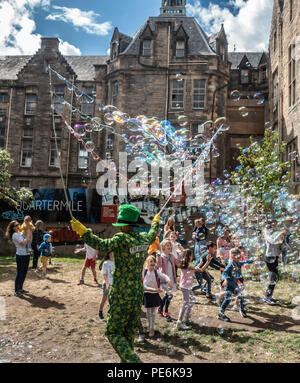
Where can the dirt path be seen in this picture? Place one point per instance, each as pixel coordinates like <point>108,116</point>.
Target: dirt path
<point>57,322</point>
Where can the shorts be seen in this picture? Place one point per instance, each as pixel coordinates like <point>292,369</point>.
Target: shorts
<point>90,263</point>
<point>44,260</point>
<point>104,289</point>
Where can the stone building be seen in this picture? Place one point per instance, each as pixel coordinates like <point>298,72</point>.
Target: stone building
<point>284,81</point>
<point>140,77</point>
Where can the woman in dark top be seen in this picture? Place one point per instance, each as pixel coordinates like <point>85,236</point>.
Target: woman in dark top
<point>37,239</point>
<point>200,234</point>
<point>14,235</point>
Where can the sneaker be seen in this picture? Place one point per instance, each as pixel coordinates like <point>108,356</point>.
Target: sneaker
<point>24,291</point>
<point>101,316</point>
<point>235,308</point>
<point>18,294</point>
<point>166,315</point>
<point>37,271</point>
<point>181,326</point>
<point>223,317</point>
<point>243,313</point>
<point>80,282</point>
<point>95,282</point>
<point>188,321</point>
<point>209,296</point>
<point>274,300</point>
<point>268,301</point>
<point>159,311</point>
<point>141,338</point>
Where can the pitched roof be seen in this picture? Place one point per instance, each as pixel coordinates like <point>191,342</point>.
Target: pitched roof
<point>83,66</point>
<point>236,57</point>
<point>198,41</point>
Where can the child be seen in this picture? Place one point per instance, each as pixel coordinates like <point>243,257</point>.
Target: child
<point>90,262</point>
<point>241,279</point>
<point>27,226</point>
<point>203,261</point>
<point>166,264</point>
<point>106,267</point>
<point>230,278</point>
<point>186,281</point>
<point>151,280</point>
<point>45,250</point>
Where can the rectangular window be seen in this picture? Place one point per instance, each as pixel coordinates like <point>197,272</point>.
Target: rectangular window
<point>83,157</point>
<point>28,132</point>
<point>3,103</point>
<point>178,94</point>
<point>275,88</point>
<point>4,97</point>
<point>31,89</point>
<point>264,74</point>
<point>58,100</point>
<point>180,48</point>
<point>244,76</point>
<point>26,154</point>
<point>147,48</point>
<point>58,133</point>
<point>54,154</point>
<point>115,92</point>
<point>110,142</point>
<point>292,75</point>
<point>24,184</point>
<point>30,103</point>
<point>2,143</point>
<point>199,94</point>
<point>291,156</point>
<point>87,103</point>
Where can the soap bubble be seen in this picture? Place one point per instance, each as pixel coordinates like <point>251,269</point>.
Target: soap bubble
<point>259,97</point>
<point>79,130</point>
<point>179,77</point>
<point>243,111</point>
<point>182,120</point>
<point>235,95</point>
<point>90,146</point>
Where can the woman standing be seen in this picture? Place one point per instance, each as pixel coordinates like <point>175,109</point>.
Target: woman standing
<point>169,226</point>
<point>14,235</point>
<point>199,235</point>
<point>37,239</point>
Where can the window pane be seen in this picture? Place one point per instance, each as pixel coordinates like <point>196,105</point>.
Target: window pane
<point>30,103</point>
<point>3,97</point>
<point>28,132</point>
<point>26,158</point>
<point>178,94</point>
<point>2,143</point>
<point>199,94</point>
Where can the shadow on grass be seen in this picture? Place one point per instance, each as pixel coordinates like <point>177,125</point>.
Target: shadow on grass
<point>42,302</point>
<point>274,322</point>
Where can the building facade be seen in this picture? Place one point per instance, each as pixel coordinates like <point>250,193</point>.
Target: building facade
<point>140,77</point>
<point>284,81</point>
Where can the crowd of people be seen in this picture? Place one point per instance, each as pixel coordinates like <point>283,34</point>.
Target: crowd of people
<point>143,269</point>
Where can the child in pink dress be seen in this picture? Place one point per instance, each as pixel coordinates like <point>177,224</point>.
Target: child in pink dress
<point>186,283</point>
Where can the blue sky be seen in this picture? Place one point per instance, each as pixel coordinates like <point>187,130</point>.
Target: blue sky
<point>86,27</point>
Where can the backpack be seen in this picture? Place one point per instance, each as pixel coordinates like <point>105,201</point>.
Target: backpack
<point>156,277</point>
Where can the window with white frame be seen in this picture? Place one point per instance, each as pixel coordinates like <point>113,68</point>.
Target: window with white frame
<point>3,103</point>
<point>24,183</point>
<point>180,48</point>
<point>275,88</point>
<point>28,132</point>
<point>178,94</point>
<point>87,103</point>
<point>245,76</point>
<point>59,93</point>
<point>199,90</point>
<point>54,157</point>
<point>292,75</point>
<point>83,157</point>
<point>26,153</point>
<point>147,48</point>
<point>30,103</point>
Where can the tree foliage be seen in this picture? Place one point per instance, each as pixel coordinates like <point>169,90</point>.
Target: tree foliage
<point>261,174</point>
<point>9,194</point>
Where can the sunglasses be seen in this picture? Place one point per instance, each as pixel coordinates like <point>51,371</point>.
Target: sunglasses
<point>16,225</point>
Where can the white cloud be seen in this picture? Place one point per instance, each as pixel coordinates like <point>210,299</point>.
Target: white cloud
<point>81,19</point>
<point>68,49</point>
<point>248,30</point>
<point>17,28</point>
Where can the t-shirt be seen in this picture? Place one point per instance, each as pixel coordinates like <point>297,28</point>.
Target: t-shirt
<point>186,278</point>
<point>90,252</point>
<point>17,238</point>
<point>107,269</point>
<point>23,228</point>
<point>150,279</point>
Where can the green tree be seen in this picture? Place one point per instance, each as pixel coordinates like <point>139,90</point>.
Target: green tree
<point>9,194</point>
<point>261,174</point>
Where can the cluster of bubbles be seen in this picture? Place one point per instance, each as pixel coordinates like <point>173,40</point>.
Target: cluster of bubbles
<point>236,96</point>
<point>146,139</point>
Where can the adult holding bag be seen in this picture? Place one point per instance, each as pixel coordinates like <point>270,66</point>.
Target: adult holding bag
<point>14,235</point>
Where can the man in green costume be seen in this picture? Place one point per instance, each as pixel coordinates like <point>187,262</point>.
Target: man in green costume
<point>126,292</point>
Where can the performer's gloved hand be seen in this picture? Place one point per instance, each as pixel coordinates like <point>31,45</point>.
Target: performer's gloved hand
<point>78,227</point>
<point>156,218</point>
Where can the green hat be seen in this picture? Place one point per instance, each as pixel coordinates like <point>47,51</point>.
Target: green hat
<point>128,215</point>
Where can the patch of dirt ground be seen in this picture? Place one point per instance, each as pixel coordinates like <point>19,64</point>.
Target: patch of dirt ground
<point>57,322</point>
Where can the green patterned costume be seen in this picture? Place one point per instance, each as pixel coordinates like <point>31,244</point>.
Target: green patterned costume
<point>126,292</point>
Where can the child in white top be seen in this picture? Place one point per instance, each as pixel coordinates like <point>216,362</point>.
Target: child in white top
<point>90,262</point>
<point>106,267</point>
<point>152,278</point>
